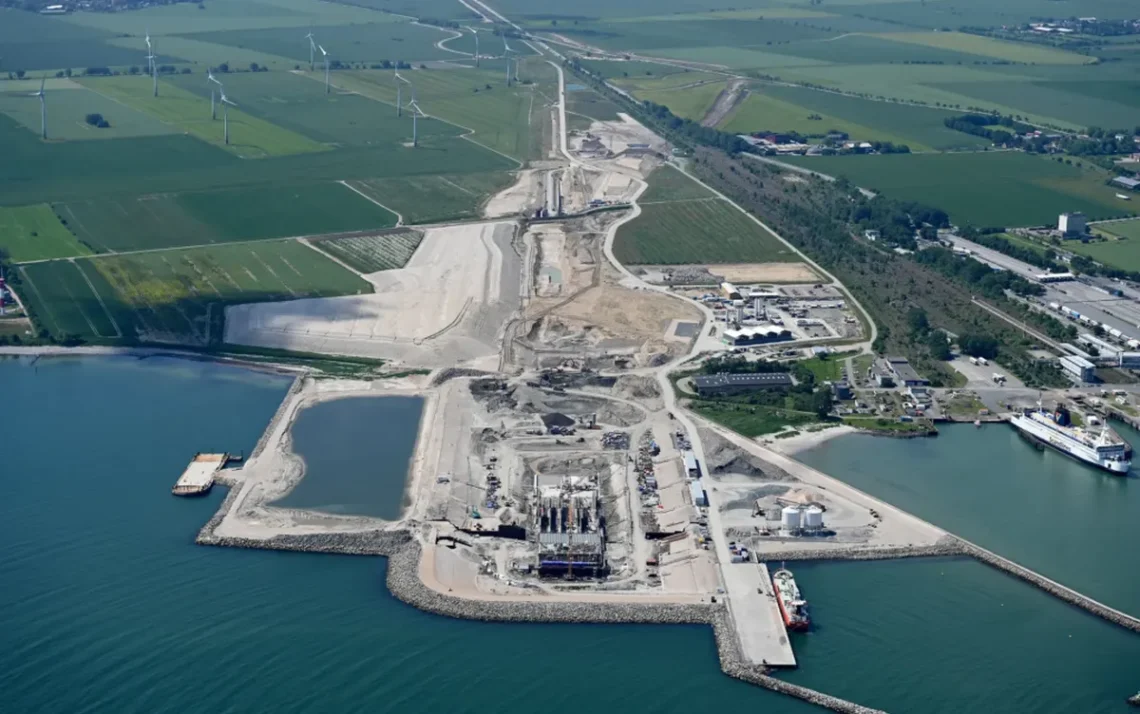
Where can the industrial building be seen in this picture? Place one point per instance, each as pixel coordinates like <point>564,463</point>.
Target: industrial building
<point>692,468</point>
<point>730,291</point>
<point>716,385</point>
<point>1129,360</point>
<point>760,335</point>
<point>1072,224</point>
<point>697,491</point>
<point>1078,368</point>
<point>569,527</point>
<point>897,370</point>
<point>1127,182</point>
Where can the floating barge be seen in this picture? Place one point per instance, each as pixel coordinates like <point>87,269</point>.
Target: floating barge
<point>198,478</point>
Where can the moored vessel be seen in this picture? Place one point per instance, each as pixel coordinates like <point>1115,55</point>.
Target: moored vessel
<point>1102,448</point>
<point>793,607</point>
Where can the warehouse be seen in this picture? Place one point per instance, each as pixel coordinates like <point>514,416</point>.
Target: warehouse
<point>898,370</point>
<point>761,335</point>
<point>1078,368</point>
<point>712,385</point>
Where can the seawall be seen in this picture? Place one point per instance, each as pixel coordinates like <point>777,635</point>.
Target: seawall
<point>944,548</point>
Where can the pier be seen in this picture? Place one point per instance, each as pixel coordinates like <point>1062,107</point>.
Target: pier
<point>198,478</point>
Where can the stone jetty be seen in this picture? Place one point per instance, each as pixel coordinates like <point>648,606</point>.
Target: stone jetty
<point>945,547</point>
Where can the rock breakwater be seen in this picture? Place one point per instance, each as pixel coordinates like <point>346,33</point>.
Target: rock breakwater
<point>945,547</point>
<point>1052,587</point>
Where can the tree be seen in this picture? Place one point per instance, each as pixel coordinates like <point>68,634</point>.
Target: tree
<point>97,120</point>
<point>822,402</point>
<point>20,73</point>
<point>919,324</point>
<point>977,345</point>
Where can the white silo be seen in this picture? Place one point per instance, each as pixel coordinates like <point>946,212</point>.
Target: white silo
<point>790,518</point>
<point>813,518</point>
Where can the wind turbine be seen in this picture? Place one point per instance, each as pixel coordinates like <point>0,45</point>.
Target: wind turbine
<point>213,107</point>
<point>149,53</point>
<point>507,54</point>
<point>326,56</point>
<point>415,122</point>
<point>43,109</point>
<point>473,32</point>
<point>153,66</point>
<point>226,104</point>
<point>400,82</point>
<point>312,49</point>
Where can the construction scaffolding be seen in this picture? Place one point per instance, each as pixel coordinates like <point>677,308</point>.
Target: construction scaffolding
<point>569,527</point>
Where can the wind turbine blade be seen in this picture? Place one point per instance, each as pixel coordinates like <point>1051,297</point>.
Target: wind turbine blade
<point>322,49</point>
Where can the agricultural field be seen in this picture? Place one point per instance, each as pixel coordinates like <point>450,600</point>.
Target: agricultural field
<point>632,68</point>
<point>476,101</point>
<point>1008,188</point>
<point>702,230</point>
<point>250,137</point>
<point>177,295</point>
<point>1121,253</point>
<point>668,183</point>
<point>691,101</point>
<point>34,43</point>
<point>68,105</point>
<point>358,43</point>
<point>35,233</point>
<point>185,18</point>
<point>434,199</point>
<point>585,103</point>
<point>1022,52</point>
<point>372,253</point>
<point>813,113</point>
<point>130,223</point>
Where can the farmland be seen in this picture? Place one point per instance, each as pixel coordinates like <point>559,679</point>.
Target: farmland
<point>370,42</point>
<point>197,218</point>
<point>432,199</point>
<point>702,230</point>
<point>998,49</point>
<point>69,104</point>
<point>185,18</point>
<point>249,137</point>
<point>982,189</point>
<point>499,118</point>
<point>176,295</point>
<point>668,183</point>
<point>35,233</point>
<point>690,102</point>
<point>812,113</point>
<point>373,253</point>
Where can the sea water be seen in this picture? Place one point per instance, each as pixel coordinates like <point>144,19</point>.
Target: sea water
<point>106,604</point>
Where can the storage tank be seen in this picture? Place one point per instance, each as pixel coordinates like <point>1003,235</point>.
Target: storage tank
<point>813,517</point>
<point>790,518</point>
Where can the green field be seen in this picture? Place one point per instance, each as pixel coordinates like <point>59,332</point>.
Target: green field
<point>35,233</point>
<point>814,113</point>
<point>434,199</point>
<point>696,231</point>
<point>669,183</point>
<point>1007,188</point>
<point>150,221</point>
<point>989,47</point>
<point>751,421</point>
<point>33,42</point>
<point>369,254</point>
<point>478,101</point>
<point>186,18</point>
<point>690,102</point>
<point>249,137</point>
<point>176,295</point>
<point>1121,229</point>
<point>68,105</point>
<point>366,42</point>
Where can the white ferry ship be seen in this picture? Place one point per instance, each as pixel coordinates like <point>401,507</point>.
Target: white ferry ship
<point>1103,448</point>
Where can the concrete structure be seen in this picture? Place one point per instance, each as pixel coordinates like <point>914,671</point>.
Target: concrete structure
<point>198,478</point>
<point>1072,224</point>
<point>1078,368</point>
<point>724,384</point>
<point>569,527</point>
<point>759,335</point>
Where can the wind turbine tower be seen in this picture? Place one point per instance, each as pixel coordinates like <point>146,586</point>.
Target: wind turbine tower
<point>473,32</point>
<point>153,65</point>
<point>416,112</point>
<point>213,107</point>
<point>326,56</point>
<point>507,55</point>
<point>226,104</point>
<point>43,109</point>
<point>312,50</point>
<point>400,82</point>
<point>149,53</point>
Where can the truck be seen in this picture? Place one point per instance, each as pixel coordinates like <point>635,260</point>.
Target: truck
<point>999,379</point>
<point>982,361</point>
<point>973,360</point>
